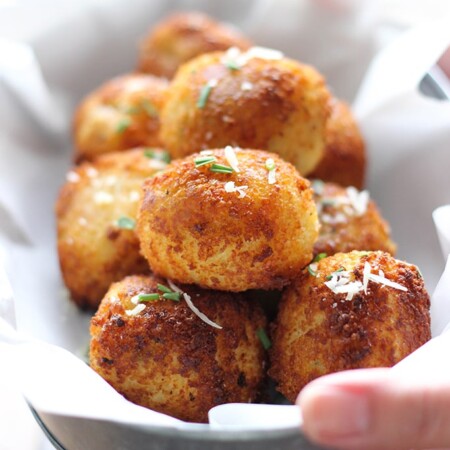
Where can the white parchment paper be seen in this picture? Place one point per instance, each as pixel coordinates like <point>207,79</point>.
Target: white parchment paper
<point>407,134</point>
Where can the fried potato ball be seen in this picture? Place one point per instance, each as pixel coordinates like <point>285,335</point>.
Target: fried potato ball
<point>256,99</point>
<point>348,311</point>
<point>349,220</point>
<point>344,158</point>
<point>160,355</point>
<point>181,37</point>
<point>121,114</point>
<point>96,212</point>
<point>252,229</point>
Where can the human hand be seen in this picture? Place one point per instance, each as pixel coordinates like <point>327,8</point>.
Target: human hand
<point>377,409</point>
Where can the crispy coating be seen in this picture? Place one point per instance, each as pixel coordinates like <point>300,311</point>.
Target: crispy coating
<point>349,220</point>
<point>93,249</point>
<point>344,158</point>
<point>123,113</point>
<point>319,332</point>
<point>167,359</point>
<point>183,36</point>
<point>195,232</point>
<point>276,105</point>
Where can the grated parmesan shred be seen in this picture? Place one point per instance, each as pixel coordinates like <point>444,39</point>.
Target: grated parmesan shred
<point>340,282</point>
<point>72,177</point>
<point>192,307</point>
<point>231,157</point>
<point>235,56</point>
<point>231,187</point>
<point>272,177</point>
<point>136,310</point>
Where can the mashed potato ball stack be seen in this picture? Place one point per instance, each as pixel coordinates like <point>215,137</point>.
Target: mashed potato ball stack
<point>253,99</point>
<point>181,37</point>
<point>96,212</point>
<point>349,220</point>
<point>348,311</point>
<point>151,346</point>
<point>228,219</point>
<point>121,114</point>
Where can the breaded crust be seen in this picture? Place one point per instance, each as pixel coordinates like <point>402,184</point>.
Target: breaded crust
<point>276,105</point>
<point>193,231</point>
<point>94,250</point>
<point>182,36</point>
<point>167,359</point>
<point>319,332</point>
<point>121,114</point>
<point>344,159</point>
<point>349,220</point>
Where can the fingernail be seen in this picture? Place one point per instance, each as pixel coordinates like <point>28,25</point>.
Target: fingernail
<point>333,412</point>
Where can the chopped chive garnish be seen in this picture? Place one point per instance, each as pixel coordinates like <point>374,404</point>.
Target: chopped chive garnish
<point>149,108</point>
<point>203,160</point>
<point>219,168</point>
<point>312,269</point>
<point>204,94</point>
<point>148,297</point>
<point>122,125</point>
<point>232,65</point>
<point>319,256</point>
<point>265,341</point>
<point>270,164</point>
<point>175,296</point>
<point>160,155</point>
<point>165,289</point>
<point>126,223</point>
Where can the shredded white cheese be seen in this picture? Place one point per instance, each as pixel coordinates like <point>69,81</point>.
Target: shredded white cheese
<point>384,281</point>
<point>234,56</point>
<point>136,310</point>
<point>91,172</point>
<point>246,86</point>
<point>359,200</point>
<point>192,307</point>
<point>103,198</point>
<point>272,178</point>
<point>231,157</point>
<point>231,187</point>
<point>213,82</point>
<point>262,53</point>
<point>340,282</point>
<point>366,273</point>
<point>134,196</point>
<point>72,177</point>
<point>206,152</point>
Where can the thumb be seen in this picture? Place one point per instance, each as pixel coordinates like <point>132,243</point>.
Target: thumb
<point>377,408</point>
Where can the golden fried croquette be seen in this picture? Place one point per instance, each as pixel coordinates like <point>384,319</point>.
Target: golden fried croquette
<point>121,114</point>
<point>344,158</point>
<point>252,229</point>
<point>166,358</point>
<point>349,220</point>
<point>181,37</point>
<point>329,322</point>
<point>256,99</point>
<point>96,211</point>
